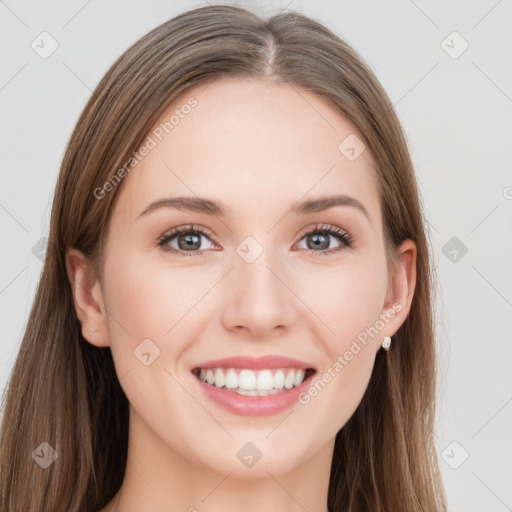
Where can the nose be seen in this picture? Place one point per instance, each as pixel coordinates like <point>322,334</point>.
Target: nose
<point>260,302</point>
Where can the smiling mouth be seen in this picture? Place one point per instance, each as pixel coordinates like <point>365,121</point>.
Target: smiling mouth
<point>254,382</point>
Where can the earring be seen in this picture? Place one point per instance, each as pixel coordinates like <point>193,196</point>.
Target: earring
<point>386,343</point>
<point>92,330</point>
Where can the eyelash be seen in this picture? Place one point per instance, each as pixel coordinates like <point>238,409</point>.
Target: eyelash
<point>341,235</point>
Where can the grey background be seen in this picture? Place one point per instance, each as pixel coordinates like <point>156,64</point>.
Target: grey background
<point>457,116</point>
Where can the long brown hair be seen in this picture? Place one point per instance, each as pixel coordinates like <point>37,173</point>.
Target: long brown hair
<point>64,391</point>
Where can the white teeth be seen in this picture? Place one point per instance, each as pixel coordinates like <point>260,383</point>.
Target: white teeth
<point>247,380</point>
<point>256,392</point>
<point>219,378</point>
<point>231,379</point>
<point>299,377</point>
<point>279,379</point>
<point>251,392</point>
<point>250,383</point>
<point>265,381</point>
<point>290,378</point>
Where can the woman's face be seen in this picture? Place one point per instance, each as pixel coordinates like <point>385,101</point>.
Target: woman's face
<point>250,280</point>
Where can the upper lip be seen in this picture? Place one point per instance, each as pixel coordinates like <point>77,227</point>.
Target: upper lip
<point>256,363</point>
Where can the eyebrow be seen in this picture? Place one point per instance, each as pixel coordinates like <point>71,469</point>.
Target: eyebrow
<point>324,203</point>
<point>215,208</point>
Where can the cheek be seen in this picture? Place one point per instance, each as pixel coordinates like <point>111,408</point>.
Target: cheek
<point>140,295</point>
<point>147,298</point>
<point>347,299</point>
<point>151,318</point>
<point>349,303</point>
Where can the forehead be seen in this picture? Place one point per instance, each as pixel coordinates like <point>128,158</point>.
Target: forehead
<point>253,145</point>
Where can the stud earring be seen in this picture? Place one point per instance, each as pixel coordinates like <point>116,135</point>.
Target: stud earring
<point>92,330</point>
<point>386,343</point>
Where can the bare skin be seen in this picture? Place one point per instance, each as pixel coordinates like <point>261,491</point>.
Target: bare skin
<point>258,148</point>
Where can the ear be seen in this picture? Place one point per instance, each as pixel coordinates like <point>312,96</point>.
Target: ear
<point>87,298</point>
<point>401,290</point>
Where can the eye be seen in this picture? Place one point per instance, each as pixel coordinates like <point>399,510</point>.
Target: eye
<point>187,238</point>
<point>319,237</point>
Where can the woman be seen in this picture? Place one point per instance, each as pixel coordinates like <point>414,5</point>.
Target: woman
<point>235,305</point>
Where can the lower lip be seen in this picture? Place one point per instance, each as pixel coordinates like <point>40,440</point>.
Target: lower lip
<point>253,405</point>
